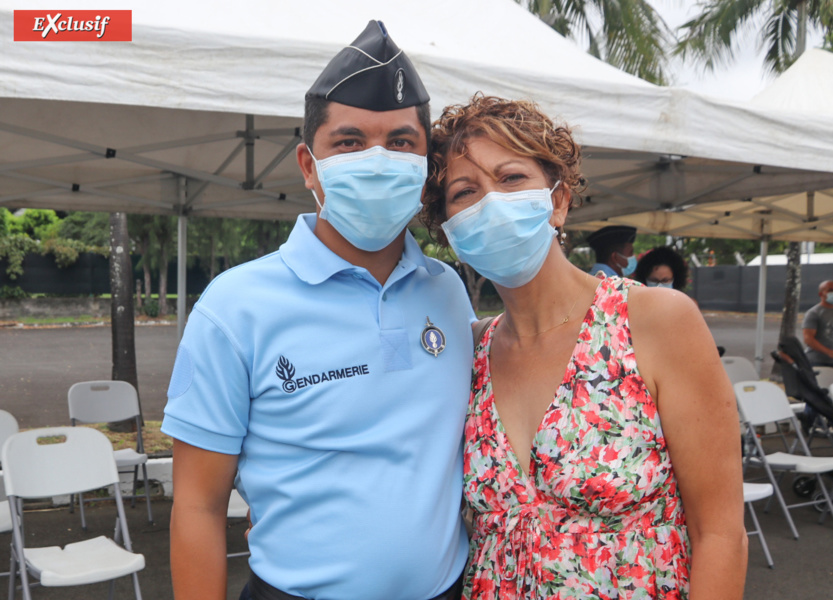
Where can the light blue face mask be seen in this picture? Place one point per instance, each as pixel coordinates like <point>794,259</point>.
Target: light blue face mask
<point>370,196</point>
<point>629,268</point>
<point>829,297</point>
<point>505,237</point>
<point>669,284</point>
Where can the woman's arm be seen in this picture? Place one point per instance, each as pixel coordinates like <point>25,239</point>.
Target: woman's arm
<point>678,359</point>
<point>202,485</point>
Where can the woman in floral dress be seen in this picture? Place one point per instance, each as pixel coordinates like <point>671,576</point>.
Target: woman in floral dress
<point>601,445</point>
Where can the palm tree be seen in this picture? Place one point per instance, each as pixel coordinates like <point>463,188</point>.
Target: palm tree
<point>708,38</point>
<point>628,34</point>
<point>121,308</point>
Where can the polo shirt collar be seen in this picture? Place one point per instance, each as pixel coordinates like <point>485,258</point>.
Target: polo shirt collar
<point>314,263</point>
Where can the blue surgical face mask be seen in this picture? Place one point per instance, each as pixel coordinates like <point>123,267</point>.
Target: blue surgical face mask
<point>370,196</point>
<point>829,298</point>
<point>505,237</point>
<point>660,284</point>
<point>629,268</point>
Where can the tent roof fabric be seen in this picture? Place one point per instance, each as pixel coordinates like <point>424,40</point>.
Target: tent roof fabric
<point>201,112</point>
<point>806,87</point>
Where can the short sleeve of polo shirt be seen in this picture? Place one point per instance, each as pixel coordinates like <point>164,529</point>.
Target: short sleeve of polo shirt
<point>209,396</point>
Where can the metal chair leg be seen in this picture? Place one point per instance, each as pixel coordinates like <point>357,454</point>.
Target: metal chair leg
<point>135,486</point>
<point>83,516</point>
<point>826,499</point>
<point>147,492</point>
<point>136,589</point>
<point>12,576</point>
<point>760,535</point>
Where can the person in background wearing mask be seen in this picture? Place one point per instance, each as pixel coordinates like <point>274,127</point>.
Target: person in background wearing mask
<point>662,267</point>
<point>818,328</point>
<point>613,246</point>
<point>328,381</point>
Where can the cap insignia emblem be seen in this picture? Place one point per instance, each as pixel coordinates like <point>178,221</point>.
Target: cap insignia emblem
<point>399,85</point>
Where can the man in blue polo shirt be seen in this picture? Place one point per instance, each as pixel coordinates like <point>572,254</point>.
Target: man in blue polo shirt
<point>613,246</point>
<point>329,380</point>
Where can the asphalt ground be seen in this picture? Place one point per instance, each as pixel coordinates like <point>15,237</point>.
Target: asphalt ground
<point>37,366</point>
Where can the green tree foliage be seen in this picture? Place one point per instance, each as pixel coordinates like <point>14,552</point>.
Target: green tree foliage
<point>38,231</point>
<point>224,243</point>
<point>708,250</point>
<point>709,38</point>
<point>63,250</point>
<point>5,215</point>
<point>90,228</point>
<point>13,249</point>
<point>34,223</point>
<point>628,34</point>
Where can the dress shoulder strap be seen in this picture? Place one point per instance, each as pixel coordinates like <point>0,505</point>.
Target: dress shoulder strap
<point>480,327</point>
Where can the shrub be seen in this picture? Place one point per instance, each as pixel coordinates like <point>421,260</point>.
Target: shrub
<point>151,308</point>
<point>63,250</point>
<point>12,292</point>
<point>13,248</point>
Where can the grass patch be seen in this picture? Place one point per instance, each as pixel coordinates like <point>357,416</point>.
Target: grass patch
<point>156,442</point>
<point>60,320</point>
<point>81,320</point>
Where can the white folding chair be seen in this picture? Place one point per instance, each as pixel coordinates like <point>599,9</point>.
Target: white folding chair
<point>751,493</point>
<point>8,427</point>
<point>107,402</point>
<point>763,402</point>
<point>237,509</point>
<point>54,461</point>
<point>739,368</point>
<point>5,519</point>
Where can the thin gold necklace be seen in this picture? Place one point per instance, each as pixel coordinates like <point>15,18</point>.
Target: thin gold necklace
<point>564,321</point>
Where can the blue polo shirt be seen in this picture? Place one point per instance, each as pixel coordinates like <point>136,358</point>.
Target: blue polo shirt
<point>349,432</point>
<point>604,268</point>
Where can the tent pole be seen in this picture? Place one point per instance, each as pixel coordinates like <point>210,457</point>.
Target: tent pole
<point>181,261</point>
<point>759,329</point>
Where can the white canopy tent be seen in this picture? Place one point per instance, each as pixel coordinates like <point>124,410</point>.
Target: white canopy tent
<point>805,89</point>
<point>199,114</point>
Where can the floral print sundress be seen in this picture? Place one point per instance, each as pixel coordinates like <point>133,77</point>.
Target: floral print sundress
<point>598,516</point>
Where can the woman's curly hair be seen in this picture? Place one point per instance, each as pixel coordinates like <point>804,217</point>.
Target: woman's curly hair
<point>517,125</point>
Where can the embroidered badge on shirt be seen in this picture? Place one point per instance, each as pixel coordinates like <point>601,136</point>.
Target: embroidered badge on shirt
<point>432,338</point>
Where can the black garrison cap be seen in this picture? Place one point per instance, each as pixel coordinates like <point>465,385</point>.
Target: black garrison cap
<point>371,73</point>
<point>612,235</point>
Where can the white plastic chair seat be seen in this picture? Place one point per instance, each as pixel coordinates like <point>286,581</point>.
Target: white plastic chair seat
<point>237,507</point>
<point>5,517</point>
<point>798,407</point>
<point>128,457</point>
<point>800,463</point>
<point>756,491</point>
<point>90,561</point>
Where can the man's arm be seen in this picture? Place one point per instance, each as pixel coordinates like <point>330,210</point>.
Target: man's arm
<point>811,342</point>
<point>202,485</point>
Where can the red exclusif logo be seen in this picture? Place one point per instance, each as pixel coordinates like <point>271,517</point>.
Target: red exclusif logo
<point>73,25</point>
